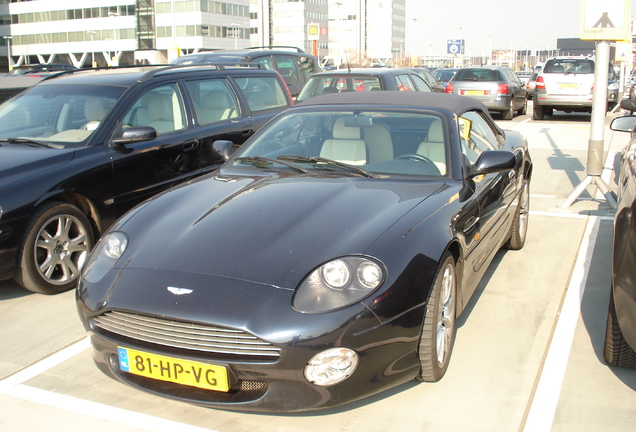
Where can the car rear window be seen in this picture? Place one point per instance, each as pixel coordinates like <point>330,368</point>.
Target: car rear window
<point>339,84</point>
<point>576,66</point>
<point>478,75</point>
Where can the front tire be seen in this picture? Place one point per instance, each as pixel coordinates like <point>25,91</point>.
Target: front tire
<point>616,351</point>
<point>55,247</point>
<point>438,329</point>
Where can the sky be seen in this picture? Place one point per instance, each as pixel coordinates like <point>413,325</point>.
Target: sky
<point>507,24</point>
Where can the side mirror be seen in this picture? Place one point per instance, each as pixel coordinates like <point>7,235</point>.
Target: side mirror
<point>623,123</point>
<point>628,104</point>
<point>223,148</point>
<point>136,134</point>
<point>493,161</point>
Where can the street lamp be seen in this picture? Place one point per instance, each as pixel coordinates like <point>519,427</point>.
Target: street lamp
<point>8,39</point>
<point>92,33</point>
<point>235,28</point>
<point>115,38</point>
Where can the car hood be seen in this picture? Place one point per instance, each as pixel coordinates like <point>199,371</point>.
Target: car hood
<point>272,230</point>
<point>20,161</point>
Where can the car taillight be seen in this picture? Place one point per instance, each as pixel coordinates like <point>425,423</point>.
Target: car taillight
<point>540,83</point>
<point>449,88</point>
<point>502,89</point>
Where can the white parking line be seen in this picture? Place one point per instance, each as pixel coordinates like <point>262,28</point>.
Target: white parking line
<point>12,386</point>
<point>546,396</point>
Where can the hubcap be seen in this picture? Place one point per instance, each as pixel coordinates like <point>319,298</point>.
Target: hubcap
<point>61,248</point>
<point>446,315</point>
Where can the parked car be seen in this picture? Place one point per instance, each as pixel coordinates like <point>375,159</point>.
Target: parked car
<point>497,87</point>
<point>524,76</point>
<point>567,83</point>
<point>22,77</point>
<point>327,260</point>
<point>292,63</point>
<point>620,335</point>
<point>39,67</point>
<point>79,150</point>
<point>362,79</point>
<point>444,75</point>
<point>430,79</point>
<point>532,81</point>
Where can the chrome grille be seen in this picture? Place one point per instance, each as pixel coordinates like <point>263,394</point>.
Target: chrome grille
<point>184,335</point>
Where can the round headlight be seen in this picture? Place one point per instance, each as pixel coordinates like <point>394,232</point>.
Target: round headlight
<point>115,245</point>
<point>336,274</point>
<point>106,253</point>
<point>369,274</point>
<point>331,367</point>
<point>339,283</point>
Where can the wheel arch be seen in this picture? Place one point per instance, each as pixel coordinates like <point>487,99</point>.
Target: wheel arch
<point>83,203</point>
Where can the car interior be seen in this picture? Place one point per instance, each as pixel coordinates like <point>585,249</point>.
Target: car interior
<point>378,142</point>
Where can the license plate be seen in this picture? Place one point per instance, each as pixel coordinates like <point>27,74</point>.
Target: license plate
<point>190,373</point>
<point>569,85</point>
<point>475,92</point>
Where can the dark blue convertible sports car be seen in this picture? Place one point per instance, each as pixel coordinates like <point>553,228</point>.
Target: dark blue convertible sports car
<point>620,336</point>
<point>325,261</point>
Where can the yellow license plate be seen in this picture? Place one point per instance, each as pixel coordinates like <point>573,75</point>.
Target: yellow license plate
<point>569,85</point>
<point>475,92</point>
<point>190,373</point>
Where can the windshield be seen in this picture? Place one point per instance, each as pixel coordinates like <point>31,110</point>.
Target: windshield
<point>62,114</point>
<point>367,143</point>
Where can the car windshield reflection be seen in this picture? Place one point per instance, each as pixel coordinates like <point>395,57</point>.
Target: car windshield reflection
<point>64,115</point>
<point>366,143</point>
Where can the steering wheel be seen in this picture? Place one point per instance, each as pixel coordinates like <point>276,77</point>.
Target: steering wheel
<point>419,158</point>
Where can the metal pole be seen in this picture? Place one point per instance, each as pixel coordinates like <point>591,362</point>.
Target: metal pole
<point>595,145</point>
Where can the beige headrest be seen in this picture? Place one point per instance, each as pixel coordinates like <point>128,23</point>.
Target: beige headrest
<point>340,131</point>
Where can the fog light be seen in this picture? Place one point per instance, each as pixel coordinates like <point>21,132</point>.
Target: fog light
<point>331,366</point>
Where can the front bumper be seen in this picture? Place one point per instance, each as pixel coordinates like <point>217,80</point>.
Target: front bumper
<point>387,351</point>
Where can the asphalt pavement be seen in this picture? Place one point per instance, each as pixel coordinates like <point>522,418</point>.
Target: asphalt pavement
<point>528,354</point>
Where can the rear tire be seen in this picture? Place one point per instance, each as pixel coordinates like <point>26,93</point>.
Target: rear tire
<point>524,109</point>
<point>510,112</point>
<point>616,351</point>
<point>438,329</point>
<point>538,113</point>
<point>519,228</point>
<point>54,249</point>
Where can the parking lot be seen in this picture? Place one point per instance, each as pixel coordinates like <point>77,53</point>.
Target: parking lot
<point>528,353</point>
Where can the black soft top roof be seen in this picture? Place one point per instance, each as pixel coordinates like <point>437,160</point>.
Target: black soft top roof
<point>440,101</point>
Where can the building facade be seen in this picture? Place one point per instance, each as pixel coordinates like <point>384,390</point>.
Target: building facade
<point>285,23</point>
<point>104,32</point>
<point>367,32</point>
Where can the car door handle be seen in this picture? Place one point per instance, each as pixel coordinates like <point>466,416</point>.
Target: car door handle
<point>190,145</point>
<point>470,223</point>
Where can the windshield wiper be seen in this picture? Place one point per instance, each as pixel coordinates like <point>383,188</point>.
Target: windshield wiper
<point>318,159</point>
<point>33,142</point>
<point>260,161</point>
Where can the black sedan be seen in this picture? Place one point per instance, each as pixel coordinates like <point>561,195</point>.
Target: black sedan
<point>79,150</point>
<point>327,260</point>
<point>620,336</point>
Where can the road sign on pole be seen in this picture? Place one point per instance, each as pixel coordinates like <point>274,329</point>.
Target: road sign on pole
<point>601,21</point>
<point>605,20</point>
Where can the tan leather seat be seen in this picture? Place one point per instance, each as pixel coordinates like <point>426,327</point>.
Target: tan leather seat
<point>434,147</point>
<point>346,145</point>
<point>379,142</point>
<point>216,107</point>
<point>160,113</point>
<point>95,110</point>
